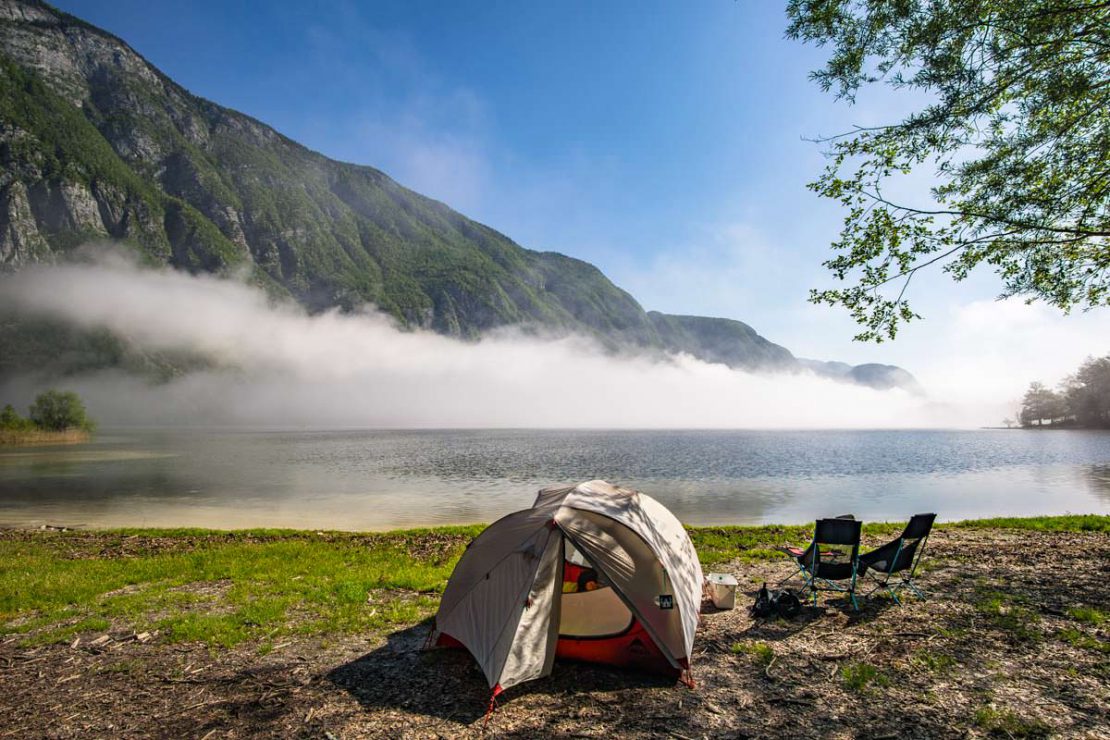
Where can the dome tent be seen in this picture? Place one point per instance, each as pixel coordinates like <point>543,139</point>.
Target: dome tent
<point>591,572</point>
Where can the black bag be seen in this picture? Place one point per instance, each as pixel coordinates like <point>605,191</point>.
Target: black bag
<point>787,604</point>
<point>783,603</point>
<point>763,606</point>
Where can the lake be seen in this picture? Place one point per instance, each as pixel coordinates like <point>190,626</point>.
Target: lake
<point>361,480</point>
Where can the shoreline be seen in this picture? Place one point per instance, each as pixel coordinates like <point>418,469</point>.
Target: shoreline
<point>39,437</point>
<point>307,632</point>
<point>1095,522</point>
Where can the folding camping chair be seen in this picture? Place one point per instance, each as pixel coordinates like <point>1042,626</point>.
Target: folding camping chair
<point>820,568</point>
<point>900,555</point>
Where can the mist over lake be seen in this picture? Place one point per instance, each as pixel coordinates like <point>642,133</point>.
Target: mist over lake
<point>355,480</point>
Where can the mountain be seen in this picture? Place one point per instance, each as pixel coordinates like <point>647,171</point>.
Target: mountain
<point>96,143</point>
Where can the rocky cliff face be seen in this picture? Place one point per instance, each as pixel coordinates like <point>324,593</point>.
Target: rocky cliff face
<point>96,143</point>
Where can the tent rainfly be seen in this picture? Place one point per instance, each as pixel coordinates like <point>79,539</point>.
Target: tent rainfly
<point>591,572</point>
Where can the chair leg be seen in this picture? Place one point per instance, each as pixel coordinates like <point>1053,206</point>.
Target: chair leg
<point>884,585</point>
<point>911,586</point>
<point>917,591</point>
<point>852,588</point>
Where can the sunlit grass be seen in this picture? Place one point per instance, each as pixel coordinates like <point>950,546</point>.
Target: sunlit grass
<point>722,544</point>
<point>934,661</point>
<point>761,653</point>
<point>861,676</point>
<point>1006,723</point>
<point>1088,615</point>
<point>224,588</point>
<point>1005,611</point>
<point>1067,523</point>
<point>1080,639</point>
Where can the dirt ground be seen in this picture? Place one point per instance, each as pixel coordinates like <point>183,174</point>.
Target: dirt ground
<point>995,650</point>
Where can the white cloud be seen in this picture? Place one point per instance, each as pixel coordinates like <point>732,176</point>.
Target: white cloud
<point>358,370</point>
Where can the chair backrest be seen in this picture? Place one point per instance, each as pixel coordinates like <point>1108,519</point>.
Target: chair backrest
<point>838,532</point>
<point>919,526</point>
<point>899,554</point>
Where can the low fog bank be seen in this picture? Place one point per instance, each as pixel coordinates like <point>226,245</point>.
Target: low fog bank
<point>284,368</point>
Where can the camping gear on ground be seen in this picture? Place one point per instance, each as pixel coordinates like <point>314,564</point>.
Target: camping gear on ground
<point>782,603</point>
<point>517,598</point>
<point>832,556</point>
<point>722,590</point>
<point>900,555</point>
<point>787,605</point>
<point>763,606</point>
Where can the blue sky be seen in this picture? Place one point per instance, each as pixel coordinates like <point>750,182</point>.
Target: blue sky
<point>665,142</point>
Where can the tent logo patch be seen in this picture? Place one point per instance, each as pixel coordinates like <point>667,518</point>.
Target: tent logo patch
<point>666,601</point>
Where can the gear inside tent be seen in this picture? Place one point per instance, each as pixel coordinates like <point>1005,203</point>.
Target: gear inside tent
<point>592,572</point>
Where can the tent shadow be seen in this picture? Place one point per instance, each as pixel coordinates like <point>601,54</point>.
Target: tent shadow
<point>401,675</point>
<point>448,684</point>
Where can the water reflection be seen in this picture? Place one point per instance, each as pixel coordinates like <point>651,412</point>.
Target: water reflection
<point>1098,478</point>
<point>366,480</point>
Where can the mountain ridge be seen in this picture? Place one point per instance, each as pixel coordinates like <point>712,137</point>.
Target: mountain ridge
<point>97,143</point>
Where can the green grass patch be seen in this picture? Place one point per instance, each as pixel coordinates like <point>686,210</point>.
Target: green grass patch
<point>722,544</point>
<point>861,676</point>
<point>223,588</point>
<point>761,653</point>
<point>67,632</point>
<point>1006,723</point>
<point>935,662</point>
<point>1080,639</point>
<point>1088,615</point>
<point>1003,610</point>
<point>1068,523</point>
<point>226,587</point>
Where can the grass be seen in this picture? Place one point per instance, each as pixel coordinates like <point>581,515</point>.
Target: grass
<point>259,585</point>
<point>722,544</point>
<point>1067,523</point>
<point>761,653</point>
<point>859,676</point>
<point>222,589</point>
<point>1006,723</point>
<point>1088,615</point>
<point>1004,611</point>
<point>1080,639</point>
<point>935,662</point>
<point>28,437</point>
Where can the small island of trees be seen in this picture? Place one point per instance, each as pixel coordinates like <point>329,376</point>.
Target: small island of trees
<point>55,417</point>
<point>1081,401</point>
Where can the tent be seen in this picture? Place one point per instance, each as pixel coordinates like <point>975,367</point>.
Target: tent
<point>591,572</point>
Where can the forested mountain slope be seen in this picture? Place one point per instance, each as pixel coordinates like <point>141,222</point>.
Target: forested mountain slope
<point>96,143</point>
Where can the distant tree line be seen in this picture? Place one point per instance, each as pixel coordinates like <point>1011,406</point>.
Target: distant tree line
<point>1081,400</point>
<point>52,411</point>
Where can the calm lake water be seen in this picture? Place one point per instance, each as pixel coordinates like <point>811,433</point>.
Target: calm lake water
<point>383,479</point>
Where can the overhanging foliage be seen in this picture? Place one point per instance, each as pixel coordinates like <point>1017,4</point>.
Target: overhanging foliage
<point>1017,135</point>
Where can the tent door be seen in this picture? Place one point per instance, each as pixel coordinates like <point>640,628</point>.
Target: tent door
<point>590,606</point>
<point>595,624</point>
